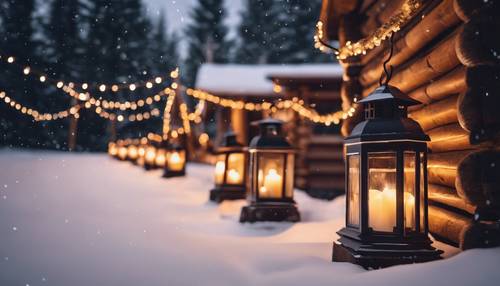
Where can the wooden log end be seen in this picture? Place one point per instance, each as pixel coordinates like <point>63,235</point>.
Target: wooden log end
<point>478,42</point>
<point>467,9</point>
<point>480,235</point>
<point>478,180</point>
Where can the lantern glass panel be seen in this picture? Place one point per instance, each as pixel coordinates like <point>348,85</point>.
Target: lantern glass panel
<point>150,155</point>
<point>382,191</point>
<point>409,191</point>
<point>422,193</point>
<point>220,169</point>
<point>160,158</point>
<point>176,160</point>
<point>270,175</point>
<point>235,168</point>
<point>289,175</point>
<point>353,190</point>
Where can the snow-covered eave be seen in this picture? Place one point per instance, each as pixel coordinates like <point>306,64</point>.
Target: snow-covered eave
<point>255,81</point>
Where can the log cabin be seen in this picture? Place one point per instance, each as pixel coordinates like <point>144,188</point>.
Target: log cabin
<point>447,56</point>
<point>319,168</point>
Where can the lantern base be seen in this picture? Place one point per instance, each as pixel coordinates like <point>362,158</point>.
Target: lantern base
<point>149,167</point>
<point>270,212</point>
<point>381,254</point>
<point>220,194</point>
<point>170,174</point>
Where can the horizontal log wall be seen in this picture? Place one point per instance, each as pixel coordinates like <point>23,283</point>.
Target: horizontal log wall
<point>448,58</point>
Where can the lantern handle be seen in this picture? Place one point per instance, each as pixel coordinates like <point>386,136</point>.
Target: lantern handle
<point>388,72</point>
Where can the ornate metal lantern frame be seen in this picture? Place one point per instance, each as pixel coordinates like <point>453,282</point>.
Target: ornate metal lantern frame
<point>230,170</point>
<point>174,147</point>
<point>386,186</point>
<point>270,176</point>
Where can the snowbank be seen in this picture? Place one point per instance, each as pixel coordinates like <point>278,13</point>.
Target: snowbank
<point>85,219</point>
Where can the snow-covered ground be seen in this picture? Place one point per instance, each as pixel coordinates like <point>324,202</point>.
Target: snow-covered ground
<point>86,219</point>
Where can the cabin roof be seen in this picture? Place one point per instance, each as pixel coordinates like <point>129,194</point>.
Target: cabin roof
<point>254,80</point>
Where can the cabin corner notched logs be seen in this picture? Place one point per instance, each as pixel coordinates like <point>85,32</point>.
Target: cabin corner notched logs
<point>447,57</point>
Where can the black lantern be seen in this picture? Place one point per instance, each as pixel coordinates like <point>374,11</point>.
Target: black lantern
<point>122,150</point>
<point>150,155</point>
<point>270,176</point>
<point>386,186</point>
<point>175,157</point>
<point>132,151</point>
<point>141,151</point>
<point>112,149</point>
<point>230,170</point>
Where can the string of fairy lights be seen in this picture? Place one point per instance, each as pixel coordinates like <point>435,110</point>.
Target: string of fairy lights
<point>101,105</point>
<point>406,12</point>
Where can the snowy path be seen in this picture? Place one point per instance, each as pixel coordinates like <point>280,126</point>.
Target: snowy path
<point>82,219</point>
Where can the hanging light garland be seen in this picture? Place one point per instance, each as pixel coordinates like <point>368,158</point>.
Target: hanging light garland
<point>101,87</point>
<point>295,104</point>
<point>407,11</point>
<point>37,115</point>
<point>101,105</point>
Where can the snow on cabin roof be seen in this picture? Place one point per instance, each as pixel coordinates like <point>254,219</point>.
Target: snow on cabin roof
<point>252,80</point>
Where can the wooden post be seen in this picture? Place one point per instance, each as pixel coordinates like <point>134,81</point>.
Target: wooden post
<point>239,124</point>
<point>112,127</point>
<point>72,130</point>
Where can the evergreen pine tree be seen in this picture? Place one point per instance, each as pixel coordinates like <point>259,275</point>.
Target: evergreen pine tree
<point>298,26</point>
<point>164,58</point>
<point>206,37</point>
<point>63,52</point>
<point>115,52</point>
<point>17,39</point>
<point>278,31</point>
<point>257,32</point>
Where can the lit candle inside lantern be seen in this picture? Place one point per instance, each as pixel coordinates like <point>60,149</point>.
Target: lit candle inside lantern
<point>112,149</point>
<point>272,186</point>
<point>175,162</point>
<point>160,158</point>
<point>141,151</point>
<point>233,177</point>
<point>132,152</point>
<point>122,152</point>
<point>382,209</point>
<point>150,155</point>
<point>219,172</point>
<point>409,201</point>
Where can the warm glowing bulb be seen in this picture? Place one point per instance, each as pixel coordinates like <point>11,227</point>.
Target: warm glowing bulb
<point>26,70</point>
<point>175,73</point>
<point>158,79</point>
<point>10,60</point>
<point>120,118</point>
<point>102,88</point>
<point>132,87</point>
<point>149,84</point>
<point>114,88</point>
<point>83,96</point>
<point>42,78</point>
<point>85,86</point>
<point>60,84</point>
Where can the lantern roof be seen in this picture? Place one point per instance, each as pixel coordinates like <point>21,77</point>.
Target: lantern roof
<point>230,143</point>
<point>391,122</point>
<point>389,93</point>
<point>270,136</point>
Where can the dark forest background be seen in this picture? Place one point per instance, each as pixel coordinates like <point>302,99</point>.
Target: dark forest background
<point>117,41</point>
